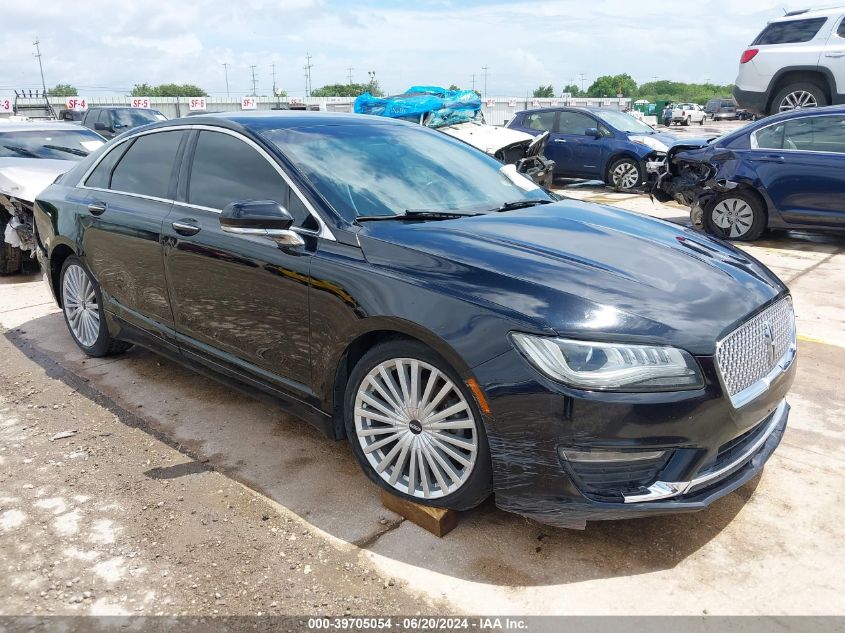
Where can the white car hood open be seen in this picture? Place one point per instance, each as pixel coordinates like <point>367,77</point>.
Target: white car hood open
<point>487,138</point>
<point>25,178</point>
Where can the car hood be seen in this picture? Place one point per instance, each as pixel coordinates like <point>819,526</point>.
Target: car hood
<point>487,138</point>
<point>25,178</point>
<point>583,270</point>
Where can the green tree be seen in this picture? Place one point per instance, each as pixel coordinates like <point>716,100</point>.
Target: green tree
<point>544,91</point>
<point>167,90</point>
<point>347,90</point>
<point>683,92</point>
<point>453,87</point>
<point>572,89</point>
<point>63,90</point>
<point>612,85</point>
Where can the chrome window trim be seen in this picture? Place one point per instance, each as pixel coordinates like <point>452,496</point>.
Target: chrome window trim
<point>324,231</point>
<point>666,489</point>
<point>752,138</point>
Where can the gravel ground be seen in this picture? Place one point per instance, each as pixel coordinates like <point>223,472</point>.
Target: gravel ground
<point>100,517</point>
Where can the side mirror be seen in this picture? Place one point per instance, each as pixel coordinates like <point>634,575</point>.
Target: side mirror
<point>101,126</point>
<point>265,218</point>
<point>592,131</point>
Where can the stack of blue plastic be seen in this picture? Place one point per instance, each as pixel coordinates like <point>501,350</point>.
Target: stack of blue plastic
<point>446,107</point>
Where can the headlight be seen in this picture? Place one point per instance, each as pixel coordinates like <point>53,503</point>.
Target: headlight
<point>649,141</point>
<point>610,366</point>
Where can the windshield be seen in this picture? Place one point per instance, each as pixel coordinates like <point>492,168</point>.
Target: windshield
<point>625,122</point>
<point>131,117</point>
<point>386,170</point>
<point>58,144</point>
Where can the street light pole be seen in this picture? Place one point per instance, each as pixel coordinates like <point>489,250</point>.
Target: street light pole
<point>226,73</point>
<point>40,66</point>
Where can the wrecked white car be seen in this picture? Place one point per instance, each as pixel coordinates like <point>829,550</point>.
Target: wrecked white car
<point>32,156</point>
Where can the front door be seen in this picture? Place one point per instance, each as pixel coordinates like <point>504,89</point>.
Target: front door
<point>128,196</point>
<point>240,302</point>
<point>579,153</point>
<point>800,165</point>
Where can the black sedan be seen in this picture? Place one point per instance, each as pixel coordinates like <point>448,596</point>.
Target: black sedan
<point>401,289</point>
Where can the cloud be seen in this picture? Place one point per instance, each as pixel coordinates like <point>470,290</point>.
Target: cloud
<point>113,44</point>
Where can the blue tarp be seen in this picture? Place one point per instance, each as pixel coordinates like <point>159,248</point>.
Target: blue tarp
<point>445,106</point>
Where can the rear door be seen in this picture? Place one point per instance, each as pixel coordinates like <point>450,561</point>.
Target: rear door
<point>125,201</point>
<point>801,164</point>
<point>834,56</point>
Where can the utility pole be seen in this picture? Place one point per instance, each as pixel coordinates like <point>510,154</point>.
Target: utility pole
<point>473,82</point>
<point>485,69</point>
<point>254,81</point>
<point>583,79</point>
<point>275,93</point>
<point>349,76</point>
<point>308,66</point>
<point>226,73</point>
<point>40,66</point>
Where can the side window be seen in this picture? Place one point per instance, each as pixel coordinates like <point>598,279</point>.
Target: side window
<point>841,30</point>
<point>101,176</point>
<point>225,169</point>
<point>104,117</point>
<point>541,121</point>
<point>816,134</point>
<point>90,117</point>
<point>789,32</point>
<point>147,167</point>
<point>770,137</point>
<point>574,123</point>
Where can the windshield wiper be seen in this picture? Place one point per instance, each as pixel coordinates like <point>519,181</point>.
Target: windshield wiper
<point>69,150</point>
<point>520,204</point>
<point>23,150</point>
<point>418,214</point>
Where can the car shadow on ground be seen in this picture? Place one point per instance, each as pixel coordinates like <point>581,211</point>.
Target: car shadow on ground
<point>217,427</point>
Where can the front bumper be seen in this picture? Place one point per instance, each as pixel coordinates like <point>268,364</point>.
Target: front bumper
<point>711,448</point>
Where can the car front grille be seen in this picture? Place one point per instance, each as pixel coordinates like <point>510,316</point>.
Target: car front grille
<point>750,353</point>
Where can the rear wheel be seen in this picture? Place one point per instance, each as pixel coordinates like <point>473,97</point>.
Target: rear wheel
<point>415,428</point>
<point>686,122</point>
<point>736,216</point>
<point>82,306</point>
<point>798,95</point>
<point>624,174</point>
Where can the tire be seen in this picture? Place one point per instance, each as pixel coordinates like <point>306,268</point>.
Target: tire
<point>368,401</point>
<point>82,307</point>
<point>798,95</point>
<point>624,174</point>
<point>701,121</point>
<point>686,122</point>
<point>736,215</point>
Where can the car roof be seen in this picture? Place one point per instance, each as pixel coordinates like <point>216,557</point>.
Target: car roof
<point>40,126</point>
<point>265,119</point>
<point>810,13</point>
<point>118,107</point>
<point>802,113</point>
<point>593,109</point>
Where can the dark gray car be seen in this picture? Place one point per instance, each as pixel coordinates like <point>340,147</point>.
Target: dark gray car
<point>111,121</point>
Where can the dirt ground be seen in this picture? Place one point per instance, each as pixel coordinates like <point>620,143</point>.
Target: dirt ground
<point>178,495</point>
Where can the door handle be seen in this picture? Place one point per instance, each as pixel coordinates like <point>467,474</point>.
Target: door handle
<point>771,158</point>
<point>835,54</point>
<point>97,208</point>
<point>560,140</point>
<point>185,227</point>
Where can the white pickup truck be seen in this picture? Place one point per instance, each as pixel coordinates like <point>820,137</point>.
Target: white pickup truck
<point>686,113</point>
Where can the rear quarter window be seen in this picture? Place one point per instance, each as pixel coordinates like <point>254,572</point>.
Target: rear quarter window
<point>790,32</point>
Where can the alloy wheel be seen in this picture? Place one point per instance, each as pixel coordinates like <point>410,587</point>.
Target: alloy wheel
<point>625,175</point>
<point>734,216</point>
<point>79,301</point>
<point>797,100</point>
<point>415,428</point>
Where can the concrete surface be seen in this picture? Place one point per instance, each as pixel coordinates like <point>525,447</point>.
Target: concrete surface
<point>772,547</point>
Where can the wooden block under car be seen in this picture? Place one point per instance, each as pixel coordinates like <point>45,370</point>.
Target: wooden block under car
<point>438,521</point>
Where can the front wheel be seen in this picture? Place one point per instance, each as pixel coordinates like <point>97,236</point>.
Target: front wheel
<point>624,174</point>
<point>686,122</point>
<point>82,306</point>
<point>736,216</point>
<point>415,428</point>
<point>701,121</point>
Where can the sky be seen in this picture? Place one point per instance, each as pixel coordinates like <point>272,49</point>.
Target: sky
<point>104,47</point>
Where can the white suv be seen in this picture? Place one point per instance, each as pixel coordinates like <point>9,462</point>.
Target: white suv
<point>798,61</point>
